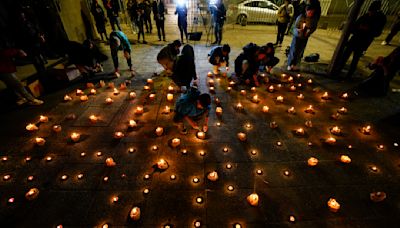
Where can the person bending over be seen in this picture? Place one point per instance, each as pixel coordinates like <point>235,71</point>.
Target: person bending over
<point>219,57</point>
<point>119,41</point>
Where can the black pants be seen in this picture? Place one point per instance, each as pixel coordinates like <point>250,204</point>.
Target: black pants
<point>139,24</point>
<point>395,29</point>
<point>218,26</point>
<point>114,55</point>
<point>147,22</point>
<point>160,29</point>
<point>183,29</point>
<point>357,54</point>
<point>281,32</point>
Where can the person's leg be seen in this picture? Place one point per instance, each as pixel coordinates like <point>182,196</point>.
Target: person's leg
<point>220,33</point>
<point>162,29</point>
<point>346,55</point>
<point>112,22</point>
<point>292,52</point>
<point>150,25</point>
<point>282,33</point>
<point>354,62</point>
<point>114,56</point>
<point>185,31</point>
<point>216,32</point>
<point>395,29</point>
<point>12,82</point>
<point>180,30</point>
<point>128,58</point>
<point>277,34</point>
<point>158,24</point>
<point>289,26</point>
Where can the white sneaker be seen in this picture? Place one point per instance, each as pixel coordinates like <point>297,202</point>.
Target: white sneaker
<point>117,74</point>
<point>36,102</point>
<point>21,101</point>
<point>289,68</point>
<point>384,43</point>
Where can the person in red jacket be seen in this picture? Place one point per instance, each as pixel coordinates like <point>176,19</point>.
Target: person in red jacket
<point>7,75</point>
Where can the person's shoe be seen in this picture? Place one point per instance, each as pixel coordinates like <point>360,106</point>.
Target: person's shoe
<point>21,101</point>
<point>289,68</point>
<point>159,39</point>
<point>36,102</point>
<point>117,74</point>
<point>144,42</point>
<point>384,43</point>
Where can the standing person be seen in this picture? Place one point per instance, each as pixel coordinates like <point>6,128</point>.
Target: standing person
<point>140,11</point>
<point>218,13</point>
<point>219,57</point>
<point>366,28</point>
<point>131,6</point>
<point>181,10</point>
<point>100,19</point>
<point>393,31</point>
<point>147,16</point>
<point>285,15</point>
<point>7,75</point>
<point>119,41</point>
<point>303,28</point>
<point>112,7</point>
<point>158,12</point>
<point>298,8</point>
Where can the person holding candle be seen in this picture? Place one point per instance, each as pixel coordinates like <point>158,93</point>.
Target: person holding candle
<point>119,41</point>
<point>7,75</point>
<point>285,13</point>
<point>305,25</point>
<point>219,57</point>
<point>192,107</point>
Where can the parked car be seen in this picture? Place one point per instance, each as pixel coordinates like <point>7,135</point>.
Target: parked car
<point>254,11</point>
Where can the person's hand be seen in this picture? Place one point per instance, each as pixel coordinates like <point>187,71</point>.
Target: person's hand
<point>205,128</point>
<point>21,53</point>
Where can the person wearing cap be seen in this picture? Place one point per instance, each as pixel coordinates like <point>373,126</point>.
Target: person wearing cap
<point>366,28</point>
<point>219,57</point>
<point>192,107</point>
<point>119,41</point>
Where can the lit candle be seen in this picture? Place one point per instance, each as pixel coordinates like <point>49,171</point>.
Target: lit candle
<point>209,74</point>
<point>242,136</point>
<point>253,152</point>
<point>202,153</point>
<point>80,176</point>
<point>308,123</point>
<point>336,130</point>
<point>170,97</point>
<point>330,141</point>
<point>32,194</point>
<point>102,83</point>
<point>292,218</point>
<point>291,110</point>
<point>199,200</point>
<point>170,89</point>
<point>166,110</point>
<point>265,109</point>
<point>229,166</point>
<point>345,159</point>
<point>212,176</point>
<point>230,188</point>
<point>239,106</point>
<point>309,109</point>
<point>84,98</point>
<point>57,128</point>
<point>146,87</point>
<point>197,224</point>
<point>211,82</point>
<point>139,110</point>
<point>159,131</point>
<point>279,99</point>
<point>366,130</point>
<point>115,199</point>
<point>118,135</point>
<point>149,81</point>
<point>146,191</point>
<point>201,135</point>
<point>93,118</point>
<point>43,119</point>
<point>333,205</point>
<point>286,173</point>
<point>309,81</point>
<point>67,98</point>
<point>172,177</point>
<point>75,136</point>
<point>196,180</point>
<point>162,164</point>
<point>255,99</point>
<point>279,143</point>
<point>335,116</point>
<point>4,158</point>
<point>154,147</point>
<point>273,125</point>
<point>377,196</point>
<point>132,95</point>
<point>64,177</point>
<point>300,131</point>
<point>229,88</point>
<point>184,151</point>
<point>6,177</point>
<point>259,171</point>
<point>381,147</point>
<point>225,149</point>
<point>30,178</point>
<point>218,124</point>
<point>325,96</point>
<point>152,96</point>
<point>374,168</point>
<point>218,111</point>
<point>40,141</point>
<point>243,92</point>
<point>110,162</point>
<point>342,110</point>
<point>93,91</point>
<point>135,213</point>
<point>252,199</point>
<point>116,91</point>
<point>312,161</point>
<point>109,100</point>
<point>271,89</point>
<point>79,92</point>
<point>253,89</point>
<point>49,158</point>
<point>212,89</point>
<point>344,96</point>
<point>99,153</point>
<point>290,79</point>
<point>292,88</point>
<point>175,142</point>
<point>31,127</point>
<point>132,124</point>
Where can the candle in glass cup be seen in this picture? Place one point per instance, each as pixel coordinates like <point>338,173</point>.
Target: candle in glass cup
<point>31,127</point>
<point>43,119</point>
<point>40,141</point>
<point>333,205</point>
<point>132,124</point>
<point>345,159</point>
<point>162,164</point>
<point>279,99</point>
<point>170,97</point>
<point>118,135</point>
<point>93,118</point>
<point>159,131</point>
<point>109,100</point>
<point>135,213</point>
<point>212,176</point>
<point>265,109</point>
<point>175,142</point>
<point>218,111</point>
<point>253,199</point>
<point>132,95</point>
<point>312,161</point>
<point>75,136</point>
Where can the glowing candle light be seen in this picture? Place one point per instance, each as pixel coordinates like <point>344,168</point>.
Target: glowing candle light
<point>57,128</point>
<point>79,92</point>
<point>159,131</point>
<point>154,147</point>
<point>75,136</point>
<point>6,177</point>
<point>118,135</point>
<point>229,166</point>
<point>32,194</point>
<point>218,124</point>
<point>211,82</point>
<point>139,110</point>
<point>308,124</point>
<point>279,143</point>
<point>149,81</point>
<point>110,162</point>
<point>230,188</point>
<point>166,110</point>
<point>135,213</point>
<point>345,159</point>
<point>116,91</point>
<point>242,136</point>
<point>312,161</point>
<point>115,199</point>
<point>344,96</point>
<point>292,88</point>
<point>4,159</point>
<point>201,135</point>
<point>146,87</point>
<point>132,95</point>
<point>271,88</point>
<point>152,96</point>
<point>243,92</point>
<point>147,176</point>
<point>330,141</point>
<point>377,196</point>
<point>67,98</point>
<point>290,79</point>
<point>291,110</point>
<point>170,89</point>
<point>212,176</point>
<point>292,218</point>
<point>248,125</point>
<point>381,147</point>
<point>49,158</point>
<point>237,225</point>
<point>102,83</point>
<point>197,224</point>
<point>31,127</point>
<point>131,150</point>
<point>279,99</point>
<point>333,205</point>
<point>273,125</point>
<point>325,96</point>
<point>255,99</point>
<point>229,88</point>
<point>265,109</point>
<point>253,152</point>
<point>309,81</point>
<point>64,177</point>
<point>11,200</point>
<point>30,178</point>
<point>342,110</point>
<point>231,83</point>
<point>172,177</point>
<point>146,191</point>
<point>366,130</point>
<point>84,98</point>
<point>196,180</point>
<point>374,168</point>
<point>28,158</point>
<point>218,111</point>
<point>259,171</point>
<point>99,153</point>
<point>253,89</point>
<point>109,100</point>
<point>93,118</point>
<point>184,151</point>
<point>40,141</point>
<point>199,200</point>
<point>170,97</point>
<point>132,124</point>
<point>300,96</point>
<point>299,131</point>
<point>80,176</point>
<point>202,153</point>
<point>252,199</point>
<point>286,173</point>
<point>225,149</point>
<point>105,179</point>
<point>239,106</point>
<point>162,164</point>
<point>175,142</point>
<point>309,109</point>
<point>43,119</point>
<point>209,74</point>
<point>93,92</point>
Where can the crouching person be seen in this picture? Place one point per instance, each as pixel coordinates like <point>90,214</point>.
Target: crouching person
<point>219,57</point>
<point>193,108</point>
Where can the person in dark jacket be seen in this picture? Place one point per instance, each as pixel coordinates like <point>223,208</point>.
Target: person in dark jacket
<point>147,16</point>
<point>181,69</point>
<point>270,59</point>
<point>174,48</point>
<point>131,7</point>
<point>192,107</point>
<point>158,12</point>
<point>298,8</point>
<point>7,75</point>
<point>366,28</point>
<point>393,31</point>
<point>140,20</point>
<point>219,57</point>
<point>119,41</point>
<point>385,69</point>
<point>181,10</point>
<point>247,65</point>
<point>112,8</point>
<point>100,19</point>
<point>218,12</point>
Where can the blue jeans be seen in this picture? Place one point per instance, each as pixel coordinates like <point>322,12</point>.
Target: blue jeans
<point>296,50</point>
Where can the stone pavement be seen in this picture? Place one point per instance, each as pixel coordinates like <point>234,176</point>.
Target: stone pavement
<point>285,183</point>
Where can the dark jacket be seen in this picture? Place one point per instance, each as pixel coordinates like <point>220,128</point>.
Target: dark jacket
<point>112,8</point>
<point>182,13</point>
<point>217,52</point>
<point>218,13</point>
<point>366,28</point>
<point>7,64</point>
<point>158,10</point>
<point>305,24</point>
<point>184,68</point>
